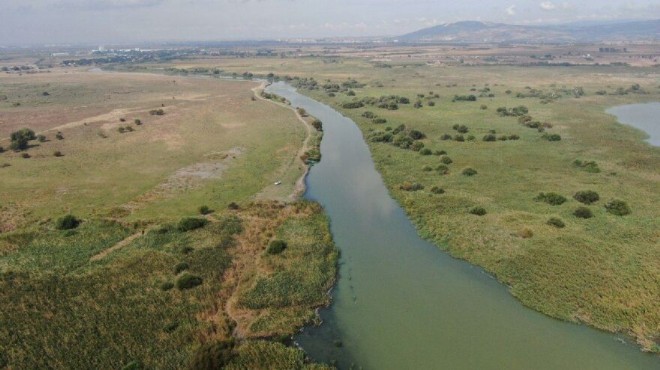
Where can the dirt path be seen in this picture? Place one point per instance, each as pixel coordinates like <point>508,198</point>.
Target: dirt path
<point>124,242</point>
<point>299,187</point>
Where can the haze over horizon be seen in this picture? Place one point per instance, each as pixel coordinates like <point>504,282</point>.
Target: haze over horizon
<point>39,22</point>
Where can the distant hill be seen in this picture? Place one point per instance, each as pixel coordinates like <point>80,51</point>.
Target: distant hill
<point>477,32</point>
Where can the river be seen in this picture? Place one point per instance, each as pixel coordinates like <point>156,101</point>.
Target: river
<point>645,117</point>
<point>401,303</point>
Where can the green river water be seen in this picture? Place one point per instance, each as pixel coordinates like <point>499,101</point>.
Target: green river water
<point>401,303</point>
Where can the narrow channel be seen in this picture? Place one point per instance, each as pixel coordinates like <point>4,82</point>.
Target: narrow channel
<point>401,303</point>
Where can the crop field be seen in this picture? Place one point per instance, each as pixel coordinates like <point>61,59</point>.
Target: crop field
<point>470,175</point>
<point>170,180</point>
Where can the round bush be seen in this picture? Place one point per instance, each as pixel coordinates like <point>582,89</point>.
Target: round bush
<point>618,207</point>
<point>479,211</point>
<point>191,223</point>
<point>469,171</point>
<point>586,196</point>
<point>212,356</point>
<point>204,210</point>
<point>188,281</point>
<point>439,152</point>
<point>583,212</point>
<point>556,222</point>
<point>425,151</point>
<point>442,169</point>
<point>445,137</point>
<point>459,138</point>
<point>427,168</point>
<point>437,190</point>
<point>490,137</point>
<point>550,198</point>
<point>233,206</point>
<point>166,286</point>
<point>276,247</point>
<point>180,267</point>
<point>67,222</point>
<point>525,233</point>
<point>446,160</point>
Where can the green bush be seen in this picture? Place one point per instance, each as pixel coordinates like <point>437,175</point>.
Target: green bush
<point>276,247</point>
<point>425,151</point>
<point>191,223</point>
<point>446,160</point>
<point>490,137</point>
<point>437,190</point>
<point>459,138</point>
<point>180,267</point>
<point>427,168</point>
<point>67,222</point>
<point>479,211</point>
<point>556,222</point>
<point>583,212</point>
<point>618,207</point>
<point>204,210</point>
<point>233,206</point>
<point>445,137</point>
<point>469,171</point>
<point>514,137</point>
<point>586,196</point>
<point>588,166</point>
<point>188,281</point>
<point>552,137</point>
<point>439,152</point>
<point>551,198</point>
<point>213,356</point>
<point>411,186</point>
<point>416,135</point>
<point>166,286</point>
<point>417,146</point>
<point>442,169</point>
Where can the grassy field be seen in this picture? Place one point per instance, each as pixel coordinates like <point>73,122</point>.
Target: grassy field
<point>132,286</point>
<point>603,271</point>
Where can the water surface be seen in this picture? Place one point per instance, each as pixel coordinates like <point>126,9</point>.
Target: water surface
<point>645,117</point>
<point>401,303</point>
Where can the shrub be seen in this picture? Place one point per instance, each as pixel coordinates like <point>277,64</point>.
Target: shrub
<point>180,267</point>
<point>57,153</point>
<point>479,211</point>
<point>469,171</point>
<point>552,137</point>
<point>166,286</point>
<point>463,129</point>
<point>427,168</point>
<point>379,120</point>
<point>157,112</point>
<point>137,121</point>
<point>25,155</point>
<point>471,138</point>
<point>188,281</point>
<point>317,124</point>
<point>276,247</point>
<point>459,138</point>
<point>514,137</point>
<point>416,135</point>
<point>425,151</point>
<point>41,138</point>
<point>233,206</point>
<point>191,223</point>
<point>212,356</point>
<point>490,137</point>
<point>204,210</point>
<point>417,146</point>
<point>439,152</point>
<point>556,222</point>
<point>122,119</point>
<point>483,107</point>
<point>588,166</point>
<point>550,198</point>
<point>442,169</point>
<point>583,212</point>
<point>437,190</point>
<point>59,136</point>
<point>409,186</point>
<point>586,196</point>
<point>352,105</point>
<point>368,114</point>
<point>502,138</point>
<point>618,207</point>
<point>431,103</point>
<point>445,137</point>
<point>446,160</point>
<point>67,222</point>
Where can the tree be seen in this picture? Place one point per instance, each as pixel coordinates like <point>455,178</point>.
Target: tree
<point>20,138</point>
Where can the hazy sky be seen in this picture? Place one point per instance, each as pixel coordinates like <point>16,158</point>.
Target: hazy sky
<point>112,21</point>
